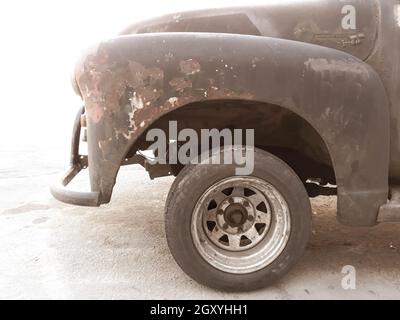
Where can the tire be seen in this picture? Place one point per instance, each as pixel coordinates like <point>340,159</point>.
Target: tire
<point>249,257</point>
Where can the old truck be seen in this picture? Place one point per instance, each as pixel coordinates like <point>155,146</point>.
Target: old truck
<point>317,80</point>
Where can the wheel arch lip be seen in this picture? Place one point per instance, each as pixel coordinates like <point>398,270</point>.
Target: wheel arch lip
<point>129,82</point>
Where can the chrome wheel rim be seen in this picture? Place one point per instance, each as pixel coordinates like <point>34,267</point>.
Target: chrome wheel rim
<point>240,224</point>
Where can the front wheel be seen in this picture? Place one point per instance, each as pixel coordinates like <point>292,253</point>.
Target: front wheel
<point>238,233</point>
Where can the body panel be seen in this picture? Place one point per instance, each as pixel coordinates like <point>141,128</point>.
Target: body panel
<point>127,86</point>
<point>375,39</point>
<point>386,61</point>
<point>320,22</point>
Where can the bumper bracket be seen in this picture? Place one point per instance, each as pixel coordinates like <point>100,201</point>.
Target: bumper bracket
<point>77,163</point>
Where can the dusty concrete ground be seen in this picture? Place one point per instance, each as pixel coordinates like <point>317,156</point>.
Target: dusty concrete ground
<point>119,251</point>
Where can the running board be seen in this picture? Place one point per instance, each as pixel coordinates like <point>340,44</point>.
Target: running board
<point>390,212</point>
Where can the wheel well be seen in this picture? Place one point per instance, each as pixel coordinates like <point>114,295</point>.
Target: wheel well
<point>277,130</point>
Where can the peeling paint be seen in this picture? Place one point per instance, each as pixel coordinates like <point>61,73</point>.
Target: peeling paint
<point>136,102</point>
<point>338,66</point>
<point>173,101</point>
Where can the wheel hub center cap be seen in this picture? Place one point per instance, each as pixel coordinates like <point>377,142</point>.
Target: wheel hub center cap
<point>235,215</point>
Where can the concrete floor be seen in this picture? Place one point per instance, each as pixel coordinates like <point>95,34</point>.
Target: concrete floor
<point>119,251</point>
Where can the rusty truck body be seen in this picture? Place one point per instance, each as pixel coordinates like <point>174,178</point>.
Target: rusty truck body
<point>318,81</point>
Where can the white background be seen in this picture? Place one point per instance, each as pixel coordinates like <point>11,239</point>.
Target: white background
<point>51,250</point>
<point>40,42</point>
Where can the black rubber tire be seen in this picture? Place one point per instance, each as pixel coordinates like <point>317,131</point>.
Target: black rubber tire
<point>194,180</point>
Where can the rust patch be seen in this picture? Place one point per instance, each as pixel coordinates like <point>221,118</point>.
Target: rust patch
<point>150,95</point>
<point>114,89</point>
<point>130,95</point>
<point>225,93</point>
<point>180,84</point>
<point>189,66</point>
<point>141,76</point>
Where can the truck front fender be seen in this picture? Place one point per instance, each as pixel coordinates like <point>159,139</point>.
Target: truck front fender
<point>129,82</point>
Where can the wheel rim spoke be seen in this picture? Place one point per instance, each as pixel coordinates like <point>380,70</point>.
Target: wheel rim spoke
<point>256,199</point>
<point>219,197</point>
<point>262,217</point>
<point>252,234</point>
<point>211,215</point>
<point>217,233</point>
<point>234,241</point>
<point>238,192</point>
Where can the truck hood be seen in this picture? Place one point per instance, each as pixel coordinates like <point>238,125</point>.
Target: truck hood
<point>350,26</point>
